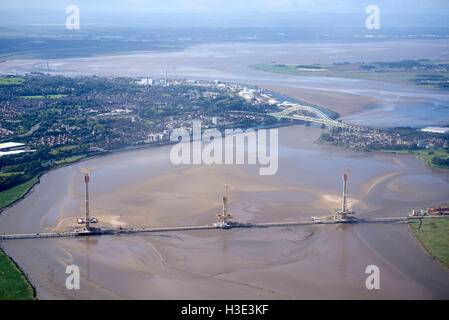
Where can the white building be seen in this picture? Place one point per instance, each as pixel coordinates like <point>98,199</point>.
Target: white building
<point>146,82</point>
<point>8,148</point>
<point>435,129</point>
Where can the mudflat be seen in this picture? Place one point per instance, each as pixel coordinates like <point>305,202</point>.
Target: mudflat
<point>343,103</point>
<point>141,188</point>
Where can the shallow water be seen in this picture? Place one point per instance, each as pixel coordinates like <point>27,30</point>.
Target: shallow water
<point>142,188</point>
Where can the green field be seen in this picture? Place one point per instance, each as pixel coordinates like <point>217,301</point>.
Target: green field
<point>289,68</point>
<point>352,70</point>
<point>69,160</point>
<point>9,196</point>
<point>13,284</point>
<point>426,155</point>
<point>51,96</point>
<point>434,237</point>
<point>64,148</point>
<point>8,174</point>
<point>15,80</point>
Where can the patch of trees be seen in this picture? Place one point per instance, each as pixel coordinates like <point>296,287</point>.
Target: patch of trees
<point>441,162</point>
<point>403,64</point>
<point>306,66</point>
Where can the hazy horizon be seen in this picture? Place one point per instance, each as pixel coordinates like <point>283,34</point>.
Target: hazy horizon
<point>237,6</point>
<point>222,13</point>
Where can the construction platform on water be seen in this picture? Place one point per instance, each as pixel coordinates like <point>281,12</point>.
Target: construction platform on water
<point>339,216</point>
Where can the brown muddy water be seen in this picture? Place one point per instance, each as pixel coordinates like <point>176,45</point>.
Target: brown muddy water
<point>142,188</point>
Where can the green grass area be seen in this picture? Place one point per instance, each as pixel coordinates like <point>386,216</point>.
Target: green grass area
<point>12,194</point>
<point>64,148</point>
<point>276,68</point>
<point>9,196</point>
<point>425,154</point>
<point>15,80</point>
<point>51,96</point>
<point>8,174</point>
<point>69,160</point>
<point>394,75</point>
<point>325,70</point>
<point>434,237</point>
<point>13,284</point>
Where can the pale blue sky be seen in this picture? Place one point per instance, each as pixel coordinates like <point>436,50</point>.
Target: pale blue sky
<point>236,6</point>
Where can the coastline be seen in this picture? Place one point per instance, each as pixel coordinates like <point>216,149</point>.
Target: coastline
<point>22,273</point>
<point>343,104</point>
<point>137,146</point>
<point>116,151</point>
<point>379,152</point>
<point>425,250</point>
<point>28,192</point>
<point>405,80</point>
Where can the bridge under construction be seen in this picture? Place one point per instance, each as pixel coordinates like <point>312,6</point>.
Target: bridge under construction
<point>230,225</point>
<point>339,216</point>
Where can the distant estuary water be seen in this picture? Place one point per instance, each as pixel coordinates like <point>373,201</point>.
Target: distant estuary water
<point>390,105</point>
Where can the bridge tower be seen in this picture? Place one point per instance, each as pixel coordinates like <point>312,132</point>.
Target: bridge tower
<point>87,220</point>
<point>344,212</point>
<point>223,218</point>
<point>345,192</point>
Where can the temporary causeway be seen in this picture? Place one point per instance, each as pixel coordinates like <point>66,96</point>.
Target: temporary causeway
<point>231,225</point>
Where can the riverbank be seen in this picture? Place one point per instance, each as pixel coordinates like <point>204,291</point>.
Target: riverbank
<point>419,73</point>
<point>342,103</point>
<point>13,283</point>
<point>10,196</point>
<point>433,235</point>
<point>426,156</point>
<point>436,157</point>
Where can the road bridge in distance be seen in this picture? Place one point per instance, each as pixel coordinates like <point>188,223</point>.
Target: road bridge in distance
<point>321,117</point>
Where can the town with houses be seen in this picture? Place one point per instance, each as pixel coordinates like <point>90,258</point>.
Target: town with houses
<point>144,114</point>
<point>52,120</point>
<point>364,138</point>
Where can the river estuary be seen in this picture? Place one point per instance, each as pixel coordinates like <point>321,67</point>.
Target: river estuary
<point>142,188</point>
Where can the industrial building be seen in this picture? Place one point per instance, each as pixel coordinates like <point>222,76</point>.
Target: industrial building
<point>436,211</point>
<point>8,148</point>
<point>435,129</point>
